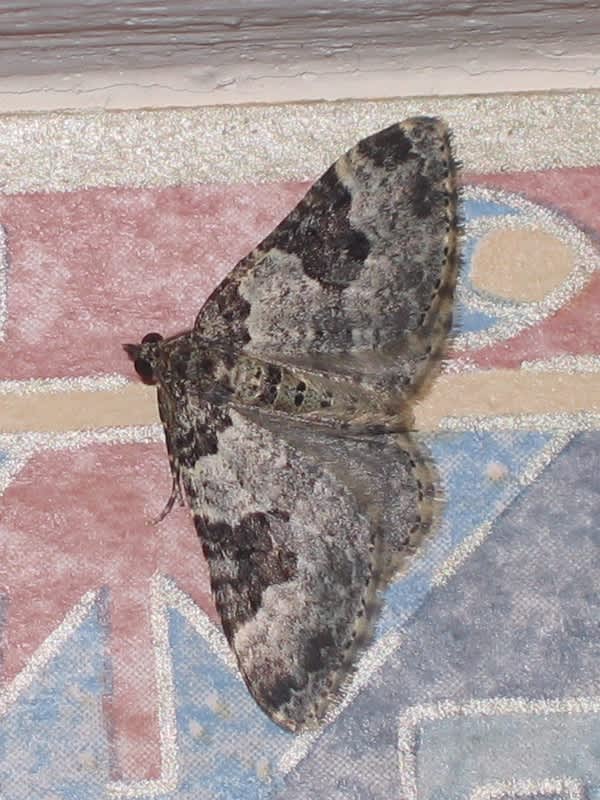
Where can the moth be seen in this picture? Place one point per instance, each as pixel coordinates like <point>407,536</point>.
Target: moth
<point>288,419</point>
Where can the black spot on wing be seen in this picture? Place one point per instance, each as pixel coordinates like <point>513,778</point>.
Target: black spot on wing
<point>206,364</point>
<point>319,232</point>
<point>271,382</point>
<point>244,560</point>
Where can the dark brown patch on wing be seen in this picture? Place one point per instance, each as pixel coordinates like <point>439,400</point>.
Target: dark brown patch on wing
<point>318,651</point>
<point>320,234</point>
<point>194,442</point>
<point>244,560</point>
<point>228,314</point>
<point>422,198</point>
<point>387,148</point>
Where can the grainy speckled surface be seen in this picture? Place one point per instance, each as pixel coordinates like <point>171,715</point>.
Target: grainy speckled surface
<point>237,144</point>
<point>483,679</point>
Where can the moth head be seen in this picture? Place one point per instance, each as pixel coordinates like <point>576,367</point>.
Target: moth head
<point>144,357</point>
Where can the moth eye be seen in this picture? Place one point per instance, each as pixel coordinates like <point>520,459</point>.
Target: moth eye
<point>144,370</point>
<point>151,337</point>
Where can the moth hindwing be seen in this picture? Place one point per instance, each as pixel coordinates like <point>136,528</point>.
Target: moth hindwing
<point>288,413</point>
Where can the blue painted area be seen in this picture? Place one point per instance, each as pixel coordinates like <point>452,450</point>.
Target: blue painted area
<point>483,634</point>
<point>53,741</point>
<point>471,498</point>
<point>518,620</point>
<point>228,747</point>
<point>459,754</point>
<point>470,321</point>
<point>469,247</point>
<point>475,209</point>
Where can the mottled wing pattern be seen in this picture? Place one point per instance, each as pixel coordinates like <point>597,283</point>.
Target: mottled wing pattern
<point>366,263</point>
<point>298,530</point>
<point>284,413</point>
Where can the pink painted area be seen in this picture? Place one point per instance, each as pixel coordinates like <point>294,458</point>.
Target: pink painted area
<point>74,521</point>
<point>575,328</point>
<point>573,191</point>
<point>92,269</point>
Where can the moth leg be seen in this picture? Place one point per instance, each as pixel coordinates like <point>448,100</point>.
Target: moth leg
<point>176,495</point>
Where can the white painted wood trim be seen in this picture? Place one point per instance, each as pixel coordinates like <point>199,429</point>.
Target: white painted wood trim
<point>136,54</point>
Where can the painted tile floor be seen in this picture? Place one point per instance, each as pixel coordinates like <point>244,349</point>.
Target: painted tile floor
<point>484,678</point>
